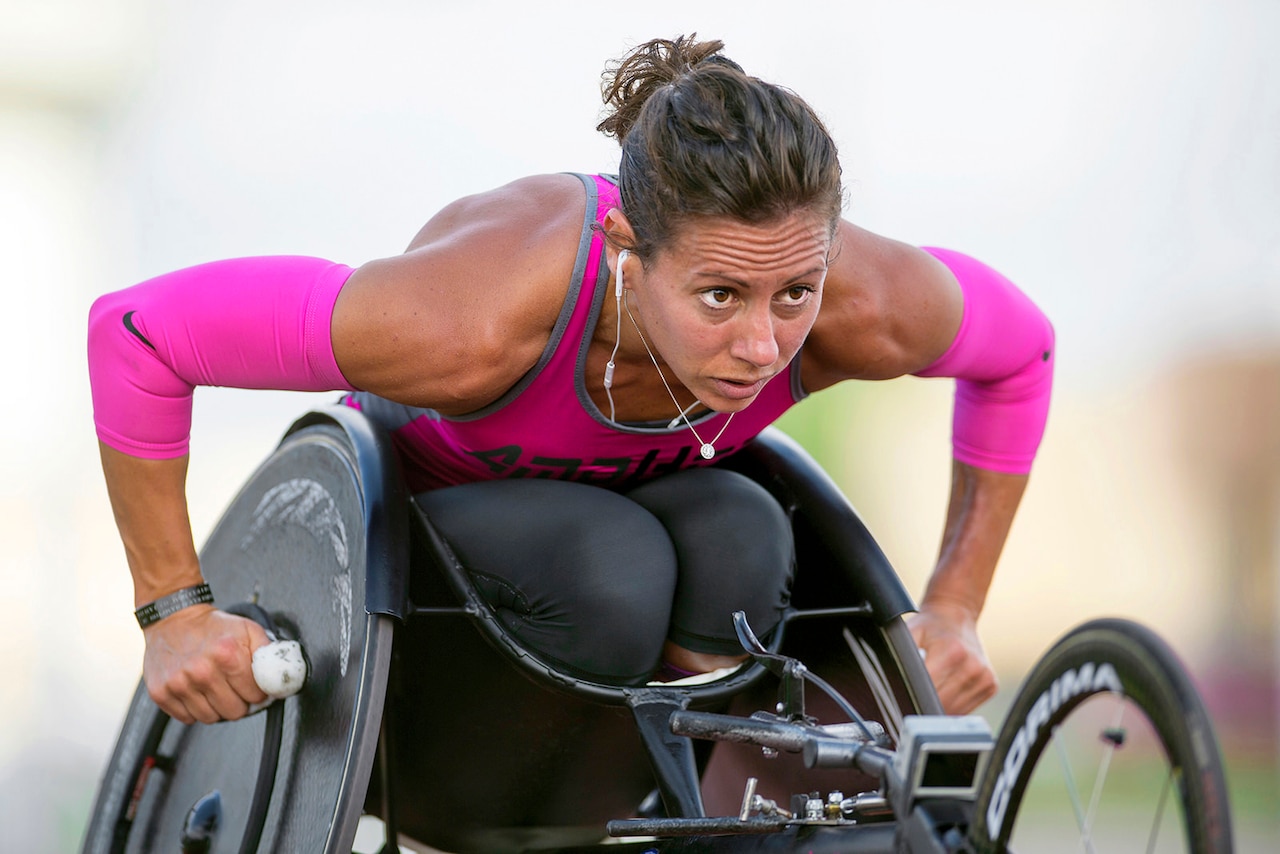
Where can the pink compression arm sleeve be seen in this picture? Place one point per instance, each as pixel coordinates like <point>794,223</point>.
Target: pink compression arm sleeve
<point>248,323</point>
<point>1002,359</point>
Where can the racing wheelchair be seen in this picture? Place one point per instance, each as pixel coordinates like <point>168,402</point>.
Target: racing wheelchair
<point>421,710</point>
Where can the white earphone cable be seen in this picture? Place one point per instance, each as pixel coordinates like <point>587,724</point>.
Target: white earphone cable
<point>617,334</point>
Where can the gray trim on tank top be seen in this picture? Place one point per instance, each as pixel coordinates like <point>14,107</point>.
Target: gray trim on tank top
<point>797,379</point>
<point>566,310</point>
<point>580,369</point>
<point>392,416</point>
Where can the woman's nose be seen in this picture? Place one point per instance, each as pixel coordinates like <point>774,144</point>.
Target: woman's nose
<point>756,342</point>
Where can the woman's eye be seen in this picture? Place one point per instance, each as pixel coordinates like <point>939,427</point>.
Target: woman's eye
<point>796,295</point>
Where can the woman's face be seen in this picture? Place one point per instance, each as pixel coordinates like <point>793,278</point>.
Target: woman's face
<point>728,304</point>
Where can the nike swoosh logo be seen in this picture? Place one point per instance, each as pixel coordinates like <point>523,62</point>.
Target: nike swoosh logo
<point>133,330</point>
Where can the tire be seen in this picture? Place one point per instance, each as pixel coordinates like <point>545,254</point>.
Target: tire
<point>1142,723</point>
<point>136,756</point>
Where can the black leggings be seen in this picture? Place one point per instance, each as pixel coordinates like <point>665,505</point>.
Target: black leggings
<point>595,581</point>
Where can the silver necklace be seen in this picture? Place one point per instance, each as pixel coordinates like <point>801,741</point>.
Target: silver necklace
<point>708,449</point>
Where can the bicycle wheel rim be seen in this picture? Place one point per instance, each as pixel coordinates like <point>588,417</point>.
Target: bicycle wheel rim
<point>1155,716</point>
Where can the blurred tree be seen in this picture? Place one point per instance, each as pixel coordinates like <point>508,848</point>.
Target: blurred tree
<point>1227,411</point>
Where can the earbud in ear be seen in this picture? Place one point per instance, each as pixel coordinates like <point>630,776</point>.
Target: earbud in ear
<point>622,259</point>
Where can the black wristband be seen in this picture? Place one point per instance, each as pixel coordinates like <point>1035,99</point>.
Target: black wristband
<point>155,611</point>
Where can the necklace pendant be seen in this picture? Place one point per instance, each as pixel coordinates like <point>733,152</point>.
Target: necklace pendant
<point>707,451</point>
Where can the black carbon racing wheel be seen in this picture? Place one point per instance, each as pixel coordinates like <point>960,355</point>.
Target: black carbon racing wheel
<point>1107,747</point>
<point>293,541</point>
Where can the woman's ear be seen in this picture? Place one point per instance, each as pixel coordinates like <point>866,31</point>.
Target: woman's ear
<point>618,235</point>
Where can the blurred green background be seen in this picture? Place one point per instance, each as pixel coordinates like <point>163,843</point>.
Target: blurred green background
<point>1118,160</point>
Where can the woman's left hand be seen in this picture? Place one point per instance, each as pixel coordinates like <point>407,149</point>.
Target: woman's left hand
<point>953,655</point>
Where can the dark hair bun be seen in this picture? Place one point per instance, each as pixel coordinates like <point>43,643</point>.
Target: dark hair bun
<point>628,82</point>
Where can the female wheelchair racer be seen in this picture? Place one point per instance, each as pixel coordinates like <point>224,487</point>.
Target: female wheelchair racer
<point>563,364</point>
<point>545,331</point>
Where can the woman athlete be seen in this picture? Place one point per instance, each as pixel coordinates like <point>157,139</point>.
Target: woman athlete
<point>562,361</point>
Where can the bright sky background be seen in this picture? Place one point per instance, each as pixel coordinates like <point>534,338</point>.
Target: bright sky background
<point>1117,159</point>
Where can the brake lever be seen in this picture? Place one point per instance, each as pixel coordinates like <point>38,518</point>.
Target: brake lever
<point>789,670</point>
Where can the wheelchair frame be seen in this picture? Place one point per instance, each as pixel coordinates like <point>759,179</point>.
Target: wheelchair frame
<point>838,562</point>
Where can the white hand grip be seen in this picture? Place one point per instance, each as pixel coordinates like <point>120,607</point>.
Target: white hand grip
<point>280,669</point>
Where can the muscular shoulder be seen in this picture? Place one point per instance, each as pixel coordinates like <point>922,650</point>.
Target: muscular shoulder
<point>516,216</point>
<point>888,309</point>
<point>467,309</point>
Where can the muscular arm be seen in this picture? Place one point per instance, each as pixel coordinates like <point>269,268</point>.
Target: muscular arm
<point>148,498</point>
<point>979,515</point>
<point>898,310</point>
<point>414,328</point>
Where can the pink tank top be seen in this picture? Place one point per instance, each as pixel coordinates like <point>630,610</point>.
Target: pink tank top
<point>546,425</point>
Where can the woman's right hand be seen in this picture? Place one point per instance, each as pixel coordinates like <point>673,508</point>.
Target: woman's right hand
<point>198,664</point>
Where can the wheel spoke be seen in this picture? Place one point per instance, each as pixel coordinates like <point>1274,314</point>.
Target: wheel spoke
<point>1164,798</point>
<point>1073,791</point>
<point>1105,766</point>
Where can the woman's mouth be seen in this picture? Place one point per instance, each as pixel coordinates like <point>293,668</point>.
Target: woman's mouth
<point>738,389</point>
